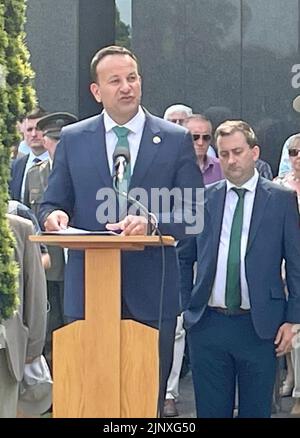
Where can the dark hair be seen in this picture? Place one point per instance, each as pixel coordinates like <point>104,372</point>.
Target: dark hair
<point>105,51</point>
<point>36,113</point>
<point>231,126</point>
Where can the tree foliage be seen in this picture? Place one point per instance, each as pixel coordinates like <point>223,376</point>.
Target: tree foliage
<point>17,96</point>
<point>122,32</point>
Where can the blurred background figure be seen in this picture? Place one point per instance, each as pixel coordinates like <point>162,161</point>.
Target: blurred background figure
<point>285,162</point>
<point>291,180</point>
<point>23,148</point>
<point>36,183</point>
<point>20,167</point>
<point>19,209</point>
<point>22,336</point>
<point>177,114</point>
<point>201,129</point>
<point>264,169</point>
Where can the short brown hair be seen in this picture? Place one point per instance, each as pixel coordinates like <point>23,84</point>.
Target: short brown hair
<point>231,126</point>
<point>36,113</point>
<point>105,51</point>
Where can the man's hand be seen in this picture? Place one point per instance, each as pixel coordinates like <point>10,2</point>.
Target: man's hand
<point>131,226</point>
<point>46,261</point>
<point>283,339</point>
<point>57,220</point>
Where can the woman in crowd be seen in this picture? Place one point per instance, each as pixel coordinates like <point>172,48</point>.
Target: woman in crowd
<point>291,384</point>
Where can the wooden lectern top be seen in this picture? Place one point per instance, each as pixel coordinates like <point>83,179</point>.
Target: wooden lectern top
<point>92,241</point>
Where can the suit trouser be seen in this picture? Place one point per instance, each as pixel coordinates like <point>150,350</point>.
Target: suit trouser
<point>9,389</point>
<point>224,349</point>
<point>55,315</point>
<point>179,344</point>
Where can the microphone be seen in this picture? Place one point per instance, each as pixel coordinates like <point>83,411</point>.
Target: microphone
<point>151,218</point>
<point>121,159</point>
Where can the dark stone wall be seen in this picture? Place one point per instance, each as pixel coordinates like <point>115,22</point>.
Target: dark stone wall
<point>62,37</point>
<point>229,58</point>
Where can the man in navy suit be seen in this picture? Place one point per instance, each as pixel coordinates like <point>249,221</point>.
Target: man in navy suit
<point>239,343</point>
<point>162,156</point>
<point>20,167</point>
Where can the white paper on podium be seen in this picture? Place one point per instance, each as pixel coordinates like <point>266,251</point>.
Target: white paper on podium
<point>71,231</point>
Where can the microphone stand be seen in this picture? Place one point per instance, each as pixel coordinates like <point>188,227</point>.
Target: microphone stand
<point>151,227</point>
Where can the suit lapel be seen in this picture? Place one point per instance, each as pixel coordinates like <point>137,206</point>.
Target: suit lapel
<point>215,206</point>
<point>97,150</point>
<point>18,177</point>
<point>262,197</point>
<point>147,150</point>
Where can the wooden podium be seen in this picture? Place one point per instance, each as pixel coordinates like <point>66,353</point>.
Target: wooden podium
<point>104,367</point>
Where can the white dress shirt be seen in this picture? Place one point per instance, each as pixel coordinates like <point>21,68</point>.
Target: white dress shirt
<point>217,298</point>
<point>135,126</point>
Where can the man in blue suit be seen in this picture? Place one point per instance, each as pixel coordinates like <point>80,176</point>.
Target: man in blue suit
<point>20,167</point>
<point>162,156</point>
<point>239,318</point>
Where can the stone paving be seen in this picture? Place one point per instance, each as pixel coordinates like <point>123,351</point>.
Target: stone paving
<point>186,402</point>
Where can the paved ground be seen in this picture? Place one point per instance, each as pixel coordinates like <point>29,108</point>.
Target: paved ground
<point>186,402</point>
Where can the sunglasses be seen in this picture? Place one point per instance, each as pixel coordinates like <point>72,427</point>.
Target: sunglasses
<point>294,152</point>
<point>206,137</point>
<point>179,121</point>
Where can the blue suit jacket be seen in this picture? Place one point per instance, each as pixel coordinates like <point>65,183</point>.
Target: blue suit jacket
<point>81,169</point>
<point>17,174</point>
<point>274,235</point>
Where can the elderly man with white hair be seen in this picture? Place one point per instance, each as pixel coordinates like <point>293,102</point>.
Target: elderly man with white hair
<point>177,114</point>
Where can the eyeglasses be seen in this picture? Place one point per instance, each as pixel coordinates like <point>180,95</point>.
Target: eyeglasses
<point>178,121</point>
<point>206,137</point>
<point>294,152</point>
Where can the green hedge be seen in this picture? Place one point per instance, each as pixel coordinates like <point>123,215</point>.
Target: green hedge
<point>17,96</point>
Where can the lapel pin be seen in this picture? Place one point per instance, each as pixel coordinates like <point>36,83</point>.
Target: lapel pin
<point>156,139</point>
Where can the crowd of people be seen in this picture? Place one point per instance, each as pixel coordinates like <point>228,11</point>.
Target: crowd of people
<point>232,289</point>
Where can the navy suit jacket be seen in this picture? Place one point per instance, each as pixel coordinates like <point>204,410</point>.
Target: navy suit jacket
<point>81,168</point>
<point>17,175</point>
<point>274,236</point>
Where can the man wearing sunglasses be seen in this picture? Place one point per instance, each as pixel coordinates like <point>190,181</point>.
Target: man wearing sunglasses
<point>201,129</point>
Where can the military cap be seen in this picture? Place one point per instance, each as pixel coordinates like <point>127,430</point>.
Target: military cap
<point>52,124</point>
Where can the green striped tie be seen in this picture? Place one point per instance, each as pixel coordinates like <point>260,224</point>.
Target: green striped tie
<point>233,280</point>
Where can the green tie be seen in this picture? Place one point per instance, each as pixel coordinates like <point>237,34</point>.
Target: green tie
<point>233,281</point>
<point>122,133</point>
